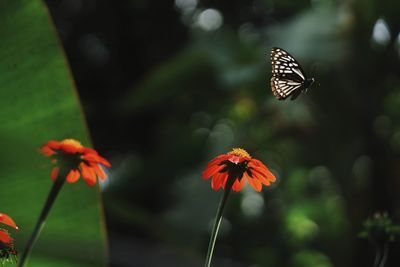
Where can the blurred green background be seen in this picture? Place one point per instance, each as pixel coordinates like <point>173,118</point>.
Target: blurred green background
<point>168,85</point>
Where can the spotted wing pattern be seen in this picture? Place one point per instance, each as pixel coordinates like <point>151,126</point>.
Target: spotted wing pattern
<point>288,78</point>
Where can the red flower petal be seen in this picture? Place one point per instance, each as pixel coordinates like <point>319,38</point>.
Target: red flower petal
<point>104,162</point>
<point>238,185</point>
<point>259,176</point>
<point>256,184</point>
<point>54,173</point>
<point>95,158</point>
<point>237,159</point>
<point>53,144</point>
<point>271,177</point>
<point>47,151</point>
<point>88,174</point>
<point>243,166</point>
<point>262,169</point>
<point>83,161</point>
<point>99,171</point>
<point>219,181</point>
<point>218,160</point>
<point>210,171</point>
<point>73,176</point>
<point>5,237</point>
<point>215,182</point>
<point>224,180</point>
<point>70,149</point>
<point>4,218</point>
<point>88,150</point>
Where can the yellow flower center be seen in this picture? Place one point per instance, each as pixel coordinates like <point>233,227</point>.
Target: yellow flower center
<point>71,142</point>
<point>239,152</point>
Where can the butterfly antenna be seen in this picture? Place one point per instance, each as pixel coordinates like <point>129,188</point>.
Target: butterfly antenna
<point>313,70</point>
<point>313,73</point>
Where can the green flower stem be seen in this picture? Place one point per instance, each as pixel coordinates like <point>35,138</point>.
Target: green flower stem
<point>217,222</point>
<point>381,257</point>
<point>385,255</point>
<point>58,183</point>
<point>377,256</point>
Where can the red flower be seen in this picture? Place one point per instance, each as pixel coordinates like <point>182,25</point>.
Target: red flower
<point>5,219</point>
<point>6,241</point>
<point>5,237</point>
<point>237,165</point>
<point>6,247</point>
<point>76,159</point>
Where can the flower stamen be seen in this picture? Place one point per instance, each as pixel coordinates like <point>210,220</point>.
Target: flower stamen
<point>239,152</point>
<point>71,142</point>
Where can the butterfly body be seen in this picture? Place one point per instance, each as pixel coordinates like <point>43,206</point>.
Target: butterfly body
<point>288,77</point>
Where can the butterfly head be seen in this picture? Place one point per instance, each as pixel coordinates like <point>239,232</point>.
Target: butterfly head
<point>309,82</point>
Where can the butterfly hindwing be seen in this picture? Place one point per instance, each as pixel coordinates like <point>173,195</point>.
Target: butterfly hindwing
<point>282,88</point>
<point>288,78</point>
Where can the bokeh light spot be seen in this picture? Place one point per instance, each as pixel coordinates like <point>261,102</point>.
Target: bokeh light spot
<point>94,49</point>
<point>210,19</point>
<point>222,135</point>
<point>186,5</point>
<point>300,226</point>
<point>244,108</point>
<point>306,258</point>
<point>225,227</point>
<point>252,203</point>
<point>320,175</point>
<point>380,33</point>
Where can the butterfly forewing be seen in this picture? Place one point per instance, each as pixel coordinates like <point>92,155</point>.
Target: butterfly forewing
<point>288,78</point>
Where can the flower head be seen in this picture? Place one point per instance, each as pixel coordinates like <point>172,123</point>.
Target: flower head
<point>380,229</point>
<point>234,168</point>
<point>78,160</point>
<point>6,246</point>
<point>7,250</point>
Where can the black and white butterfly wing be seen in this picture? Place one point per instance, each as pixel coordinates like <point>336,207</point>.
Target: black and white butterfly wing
<point>282,88</point>
<point>288,78</point>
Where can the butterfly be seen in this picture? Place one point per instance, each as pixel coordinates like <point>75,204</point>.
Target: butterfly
<point>288,78</point>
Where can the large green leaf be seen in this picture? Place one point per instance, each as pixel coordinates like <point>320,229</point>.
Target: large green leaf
<point>38,102</point>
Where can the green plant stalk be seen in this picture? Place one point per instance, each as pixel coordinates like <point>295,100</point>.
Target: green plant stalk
<point>385,255</point>
<point>55,189</point>
<point>381,257</point>
<point>217,222</point>
<point>377,256</point>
